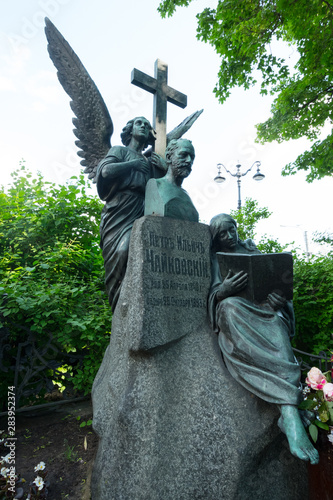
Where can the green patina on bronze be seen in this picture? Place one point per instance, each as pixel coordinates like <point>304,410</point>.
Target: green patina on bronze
<point>165,197</point>
<point>255,337</point>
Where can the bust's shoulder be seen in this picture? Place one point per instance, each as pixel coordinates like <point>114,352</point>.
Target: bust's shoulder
<point>158,182</point>
<point>152,185</point>
<point>161,185</point>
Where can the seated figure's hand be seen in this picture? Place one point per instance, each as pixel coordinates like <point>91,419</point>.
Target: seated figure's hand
<point>232,285</point>
<point>158,162</point>
<point>276,301</point>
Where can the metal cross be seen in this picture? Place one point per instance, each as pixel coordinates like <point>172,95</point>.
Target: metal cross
<point>162,93</point>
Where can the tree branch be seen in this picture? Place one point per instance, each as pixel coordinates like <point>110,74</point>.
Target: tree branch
<point>325,91</point>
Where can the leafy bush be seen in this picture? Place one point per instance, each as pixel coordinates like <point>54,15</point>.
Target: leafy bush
<point>313,303</point>
<point>51,270</point>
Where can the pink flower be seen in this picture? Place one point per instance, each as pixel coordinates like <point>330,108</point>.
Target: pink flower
<point>315,379</point>
<point>328,391</point>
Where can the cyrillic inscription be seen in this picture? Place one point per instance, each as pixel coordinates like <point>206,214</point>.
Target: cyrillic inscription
<point>175,264</point>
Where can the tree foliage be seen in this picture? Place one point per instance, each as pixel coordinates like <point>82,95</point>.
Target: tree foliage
<point>324,238</point>
<point>242,31</point>
<point>51,270</point>
<point>247,217</point>
<point>313,303</point>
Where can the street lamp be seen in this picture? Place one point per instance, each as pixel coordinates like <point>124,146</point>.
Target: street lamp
<point>258,176</point>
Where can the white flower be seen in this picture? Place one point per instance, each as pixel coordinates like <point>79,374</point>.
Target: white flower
<point>4,471</point>
<point>39,482</point>
<point>330,438</point>
<point>306,390</point>
<point>40,466</point>
<point>6,458</point>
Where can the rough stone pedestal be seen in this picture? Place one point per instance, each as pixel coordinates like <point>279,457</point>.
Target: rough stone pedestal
<point>173,424</point>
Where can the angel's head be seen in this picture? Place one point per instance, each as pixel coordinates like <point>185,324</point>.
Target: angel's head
<point>126,134</point>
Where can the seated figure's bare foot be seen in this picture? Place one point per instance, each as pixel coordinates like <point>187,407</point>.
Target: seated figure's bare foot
<point>299,443</point>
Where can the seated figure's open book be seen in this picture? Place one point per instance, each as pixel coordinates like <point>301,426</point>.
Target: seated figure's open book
<point>267,273</point>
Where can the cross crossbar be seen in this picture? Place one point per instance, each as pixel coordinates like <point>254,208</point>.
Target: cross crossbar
<point>163,93</point>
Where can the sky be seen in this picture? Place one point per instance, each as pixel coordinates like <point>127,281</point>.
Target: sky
<point>111,38</point>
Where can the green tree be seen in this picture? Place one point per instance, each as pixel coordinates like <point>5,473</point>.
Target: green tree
<point>51,270</point>
<point>241,32</point>
<point>325,238</point>
<point>247,218</point>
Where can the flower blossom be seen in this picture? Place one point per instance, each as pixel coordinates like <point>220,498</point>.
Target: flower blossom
<point>315,379</point>
<point>6,458</point>
<point>39,482</point>
<point>40,466</point>
<point>4,471</point>
<point>328,391</point>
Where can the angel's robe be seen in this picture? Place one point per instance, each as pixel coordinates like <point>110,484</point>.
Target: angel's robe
<point>124,203</point>
<point>255,343</point>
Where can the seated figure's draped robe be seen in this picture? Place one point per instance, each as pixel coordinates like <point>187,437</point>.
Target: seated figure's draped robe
<point>124,203</point>
<point>255,343</point>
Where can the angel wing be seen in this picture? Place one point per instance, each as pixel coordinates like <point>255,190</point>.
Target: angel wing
<point>184,126</point>
<point>180,130</point>
<point>93,124</point>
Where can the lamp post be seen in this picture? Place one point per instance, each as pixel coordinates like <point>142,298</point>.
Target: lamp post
<point>258,176</point>
<point>307,251</point>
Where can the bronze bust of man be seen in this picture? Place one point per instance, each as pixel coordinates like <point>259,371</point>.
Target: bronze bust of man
<point>165,197</point>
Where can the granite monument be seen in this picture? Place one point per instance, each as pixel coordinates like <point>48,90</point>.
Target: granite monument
<point>172,422</point>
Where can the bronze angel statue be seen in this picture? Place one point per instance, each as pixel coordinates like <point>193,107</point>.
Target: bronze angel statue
<point>120,172</point>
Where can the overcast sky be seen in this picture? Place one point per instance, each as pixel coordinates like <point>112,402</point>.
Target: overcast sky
<point>111,38</point>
